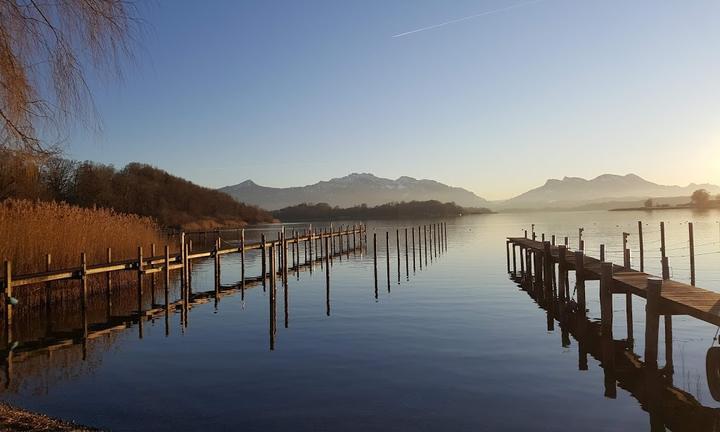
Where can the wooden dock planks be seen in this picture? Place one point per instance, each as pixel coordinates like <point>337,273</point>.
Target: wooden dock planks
<point>677,298</point>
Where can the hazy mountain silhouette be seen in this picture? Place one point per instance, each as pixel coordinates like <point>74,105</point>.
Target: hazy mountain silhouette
<point>352,190</point>
<point>575,191</point>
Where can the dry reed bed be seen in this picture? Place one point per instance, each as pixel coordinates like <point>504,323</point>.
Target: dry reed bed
<point>31,230</point>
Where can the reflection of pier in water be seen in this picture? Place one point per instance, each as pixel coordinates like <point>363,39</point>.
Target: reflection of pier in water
<point>104,319</point>
<point>668,406</point>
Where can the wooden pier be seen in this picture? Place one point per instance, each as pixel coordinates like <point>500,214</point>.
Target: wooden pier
<point>538,261</point>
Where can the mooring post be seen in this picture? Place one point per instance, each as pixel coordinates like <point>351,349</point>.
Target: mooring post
<point>580,280</point>
<point>606,301</point>
<point>242,261</point>
<point>507,252</point>
<point>166,279</point>
<point>567,242</point>
<point>532,229</point>
<point>263,252</point>
<point>542,237</point>
<point>562,271</point>
<point>327,287</point>
<point>626,251</point>
<point>663,255</point>
<point>48,293</point>
<point>691,238</point>
<point>552,240</point>
<point>397,247</point>
<point>387,257</point>
<point>6,304</point>
<point>84,293</point>
<point>652,321</point>
<point>602,252</point>
<point>525,231</point>
<point>153,252</point>
<point>581,244</point>
<point>140,270</point>
<point>641,246</point>
<point>425,246</point>
<point>548,270</point>
<point>272,297</point>
<point>375,261</point>
<point>407,256</point>
<point>668,344</point>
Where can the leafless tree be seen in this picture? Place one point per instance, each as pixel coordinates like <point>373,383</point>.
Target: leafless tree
<point>46,49</point>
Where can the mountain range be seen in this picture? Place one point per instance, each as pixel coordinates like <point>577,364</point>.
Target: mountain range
<point>575,191</point>
<point>351,190</point>
<point>605,191</point>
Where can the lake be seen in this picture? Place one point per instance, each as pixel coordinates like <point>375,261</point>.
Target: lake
<point>456,345</point>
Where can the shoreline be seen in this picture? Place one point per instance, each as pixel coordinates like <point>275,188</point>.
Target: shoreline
<point>13,419</point>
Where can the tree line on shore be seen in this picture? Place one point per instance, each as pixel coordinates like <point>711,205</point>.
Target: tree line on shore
<point>137,188</point>
<point>401,210</point>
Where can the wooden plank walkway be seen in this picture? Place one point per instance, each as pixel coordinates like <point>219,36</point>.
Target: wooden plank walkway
<point>677,298</point>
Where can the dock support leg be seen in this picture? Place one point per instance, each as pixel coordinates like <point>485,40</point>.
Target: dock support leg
<point>668,344</point>
<point>652,321</point>
<point>580,281</point>
<point>562,272</point>
<point>606,303</point>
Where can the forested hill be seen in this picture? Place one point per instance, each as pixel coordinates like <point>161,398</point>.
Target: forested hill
<point>403,210</point>
<point>136,188</point>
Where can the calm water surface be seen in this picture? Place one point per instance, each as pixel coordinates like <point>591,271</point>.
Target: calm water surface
<point>454,346</point>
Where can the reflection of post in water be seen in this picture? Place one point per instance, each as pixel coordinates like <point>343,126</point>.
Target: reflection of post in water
<point>420,249</point>
<point>327,285</point>
<point>387,257</point>
<point>273,292</point>
<point>263,263</point>
<point>375,263</point>
<point>152,277</point>
<point>608,365</point>
<point>48,296</point>
<point>425,245</point>
<point>84,293</point>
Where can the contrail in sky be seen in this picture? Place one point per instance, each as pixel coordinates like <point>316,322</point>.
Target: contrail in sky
<point>481,14</point>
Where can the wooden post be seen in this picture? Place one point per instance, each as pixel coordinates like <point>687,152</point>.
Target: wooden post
<point>263,253</point>
<point>581,244</point>
<point>626,251</point>
<point>166,285</point>
<point>242,261</point>
<point>426,244</point>
<point>542,237</point>
<point>420,249</point>
<point>84,293</point>
<point>532,228</point>
<point>7,295</point>
<point>552,240</point>
<point>407,256</point>
<point>606,302</point>
<point>652,321</point>
<point>668,344</point>
<point>140,269</point>
<point>273,292</point>
<point>375,262</point>
<point>642,246</point>
<point>602,252</point>
<point>548,270</point>
<point>108,285</point>
<point>567,243</point>
<point>580,280</point>
<point>387,257</point>
<point>663,256</point>
<point>216,256</point>
<point>48,292</point>
<point>562,270</point>
<point>327,284</point>
<point>413,247</point>
<point>691,238</point>
<point>153,282</point>
<point>397,247</point>
<point>507,253</point>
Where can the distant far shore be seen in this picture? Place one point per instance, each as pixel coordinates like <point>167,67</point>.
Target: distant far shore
<point>677,207</point>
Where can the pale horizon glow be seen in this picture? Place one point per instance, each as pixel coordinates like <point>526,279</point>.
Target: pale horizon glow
<point>287,93</point>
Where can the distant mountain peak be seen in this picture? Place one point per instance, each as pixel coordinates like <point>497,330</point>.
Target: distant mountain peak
<point>573,191</point>
<point>353,189</point>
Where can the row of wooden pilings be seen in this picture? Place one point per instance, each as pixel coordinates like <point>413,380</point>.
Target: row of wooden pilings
<point>626,251</point>
<point>336,242</point>
<point>431,242</point>
<point>550,284</point>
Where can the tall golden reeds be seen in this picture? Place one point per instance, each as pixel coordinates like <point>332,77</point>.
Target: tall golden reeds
<point>31,230</point>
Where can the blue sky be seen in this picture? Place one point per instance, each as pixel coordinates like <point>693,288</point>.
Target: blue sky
<point>290,92</point>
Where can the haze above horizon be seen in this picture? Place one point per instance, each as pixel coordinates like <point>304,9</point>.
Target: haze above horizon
<point>492,96</point>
